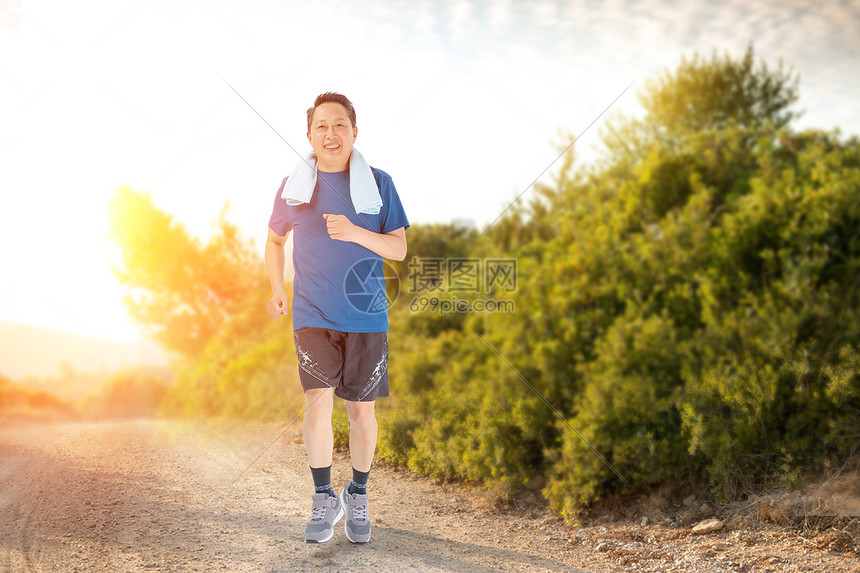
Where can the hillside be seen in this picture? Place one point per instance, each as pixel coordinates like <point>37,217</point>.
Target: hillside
<point>27,351</point>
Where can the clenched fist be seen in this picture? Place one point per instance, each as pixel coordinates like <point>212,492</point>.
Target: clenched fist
<point>278,305</point>
<point>339,227</point>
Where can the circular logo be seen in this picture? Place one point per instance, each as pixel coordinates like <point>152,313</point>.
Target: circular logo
<point>371,285</point>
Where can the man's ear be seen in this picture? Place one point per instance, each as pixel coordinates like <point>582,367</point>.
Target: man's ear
<point>354,133</point>
<point>309,137</point>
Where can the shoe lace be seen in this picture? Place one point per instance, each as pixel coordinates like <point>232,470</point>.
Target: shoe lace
<point>318,513</point>
<point>359,512</point>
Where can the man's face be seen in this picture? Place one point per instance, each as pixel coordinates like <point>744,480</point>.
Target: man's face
<point>332,136</point>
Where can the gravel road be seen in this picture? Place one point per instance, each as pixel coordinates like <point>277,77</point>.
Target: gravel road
<point>174,496</point>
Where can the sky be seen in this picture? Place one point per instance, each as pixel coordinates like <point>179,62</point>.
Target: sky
<point>202,104</point>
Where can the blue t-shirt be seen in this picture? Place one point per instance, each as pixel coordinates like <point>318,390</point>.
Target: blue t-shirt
<point>338,284</point>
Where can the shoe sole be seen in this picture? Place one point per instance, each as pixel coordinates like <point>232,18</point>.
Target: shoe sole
<point>345,525</point>
<point>340,515</point>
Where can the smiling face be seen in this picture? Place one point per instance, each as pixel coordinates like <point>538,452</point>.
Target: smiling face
<point>332,135</point>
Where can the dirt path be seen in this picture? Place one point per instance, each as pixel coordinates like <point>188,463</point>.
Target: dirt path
<point>164,496</point>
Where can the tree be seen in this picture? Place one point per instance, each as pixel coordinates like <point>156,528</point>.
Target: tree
<point>182,291</point>
<point>702,94</point>
<point>687,304</point>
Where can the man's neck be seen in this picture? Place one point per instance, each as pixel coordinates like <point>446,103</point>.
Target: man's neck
<point>338,167</point>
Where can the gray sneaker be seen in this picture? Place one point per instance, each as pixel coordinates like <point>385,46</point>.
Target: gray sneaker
<point>327,510</point>
<point>357,525</point>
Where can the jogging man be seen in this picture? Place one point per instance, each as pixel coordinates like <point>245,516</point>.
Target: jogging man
<point>345,217</point>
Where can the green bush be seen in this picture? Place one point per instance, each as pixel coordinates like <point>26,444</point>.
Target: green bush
<point>687,308</point>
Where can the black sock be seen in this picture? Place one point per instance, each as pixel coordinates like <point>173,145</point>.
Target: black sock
<point>359,481</point>
<point>322,480</point>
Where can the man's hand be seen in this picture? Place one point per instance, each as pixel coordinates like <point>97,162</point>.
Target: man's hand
<point>388,245</point>
<point>278,305</point>
<point>339,227</point>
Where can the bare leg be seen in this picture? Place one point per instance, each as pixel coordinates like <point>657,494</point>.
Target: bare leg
<point>316,427</point>
<point>362,434</point>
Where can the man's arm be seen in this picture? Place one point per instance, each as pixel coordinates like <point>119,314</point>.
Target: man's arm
<point>275,263</point>
<point>388,245</point>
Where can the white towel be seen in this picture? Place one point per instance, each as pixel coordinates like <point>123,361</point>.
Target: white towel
<point>362,185</point>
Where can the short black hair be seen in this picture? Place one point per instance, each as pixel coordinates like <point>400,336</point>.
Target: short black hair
<point>335,98</point>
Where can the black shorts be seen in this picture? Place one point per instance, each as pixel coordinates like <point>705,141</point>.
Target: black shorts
<point>355,364</point>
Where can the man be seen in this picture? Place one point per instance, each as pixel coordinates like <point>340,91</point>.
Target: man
<point>341,340</point>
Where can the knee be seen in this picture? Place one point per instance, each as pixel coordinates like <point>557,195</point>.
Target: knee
<point>319,407</point>
<point>316,417</point>
<point>361,414</point>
